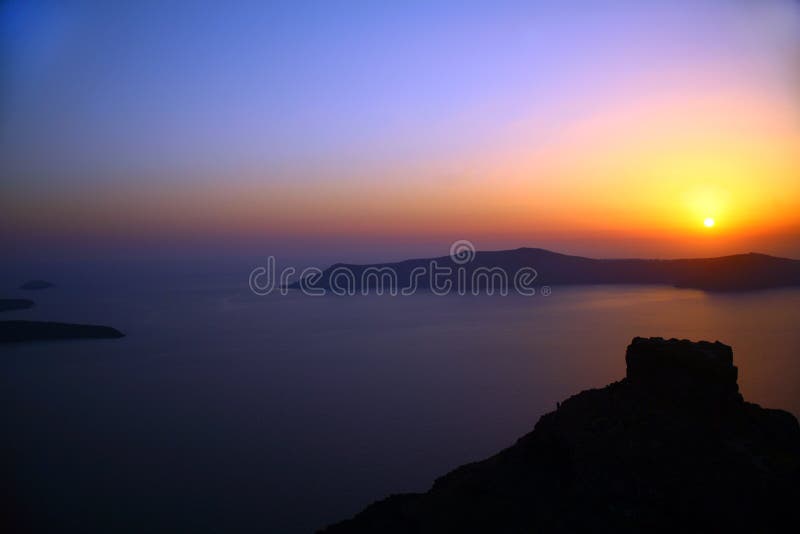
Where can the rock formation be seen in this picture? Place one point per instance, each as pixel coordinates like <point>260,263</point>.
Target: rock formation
<point>672,447</point>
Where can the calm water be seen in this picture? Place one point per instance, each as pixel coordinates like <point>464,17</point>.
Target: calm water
<point>223,411</point>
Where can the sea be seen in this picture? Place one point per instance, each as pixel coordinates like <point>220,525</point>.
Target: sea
<point>225,411</point>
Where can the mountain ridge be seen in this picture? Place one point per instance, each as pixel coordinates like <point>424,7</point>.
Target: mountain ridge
<point>737,272</point>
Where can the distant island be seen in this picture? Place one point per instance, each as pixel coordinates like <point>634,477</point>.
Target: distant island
<point>15,304</point>
<point>741,272</point>
<point>19,331</point>
<point>36,284</point>
<point>672,447</point>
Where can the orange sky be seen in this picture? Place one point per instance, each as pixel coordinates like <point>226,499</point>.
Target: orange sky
<point>613,151</point>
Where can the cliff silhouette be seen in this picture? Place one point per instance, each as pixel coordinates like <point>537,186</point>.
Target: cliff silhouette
<point>672,447</point>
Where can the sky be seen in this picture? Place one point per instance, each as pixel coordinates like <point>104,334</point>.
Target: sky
<point>380,130</point>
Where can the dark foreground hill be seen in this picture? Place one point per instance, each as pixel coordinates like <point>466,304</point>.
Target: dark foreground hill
<point>672,447</point>
<point>727,273</point>
<point>18,331</point>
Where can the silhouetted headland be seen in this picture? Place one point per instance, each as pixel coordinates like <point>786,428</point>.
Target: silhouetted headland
<point>672,447</point>
<point>36,284</point>
<point>17,331</point>
<point>15,304</point>
<point>740,272</point>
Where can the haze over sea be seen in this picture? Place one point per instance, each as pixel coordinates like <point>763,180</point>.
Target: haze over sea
<point>284,413</point>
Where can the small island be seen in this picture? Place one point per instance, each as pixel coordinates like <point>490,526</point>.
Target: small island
<point>21,331</point>
<point>36,284</point>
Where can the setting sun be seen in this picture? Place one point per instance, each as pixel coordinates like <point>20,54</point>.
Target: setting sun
<point>709,222</point>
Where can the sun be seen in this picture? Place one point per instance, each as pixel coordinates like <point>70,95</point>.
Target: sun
<point>709,222</point>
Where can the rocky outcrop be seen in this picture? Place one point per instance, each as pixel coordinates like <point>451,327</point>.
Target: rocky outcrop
<point>672,447</point>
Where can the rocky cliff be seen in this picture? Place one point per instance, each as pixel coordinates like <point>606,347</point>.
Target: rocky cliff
<point>671,447</point>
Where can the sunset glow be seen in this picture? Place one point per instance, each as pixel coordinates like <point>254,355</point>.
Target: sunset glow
<point>552,134</point>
